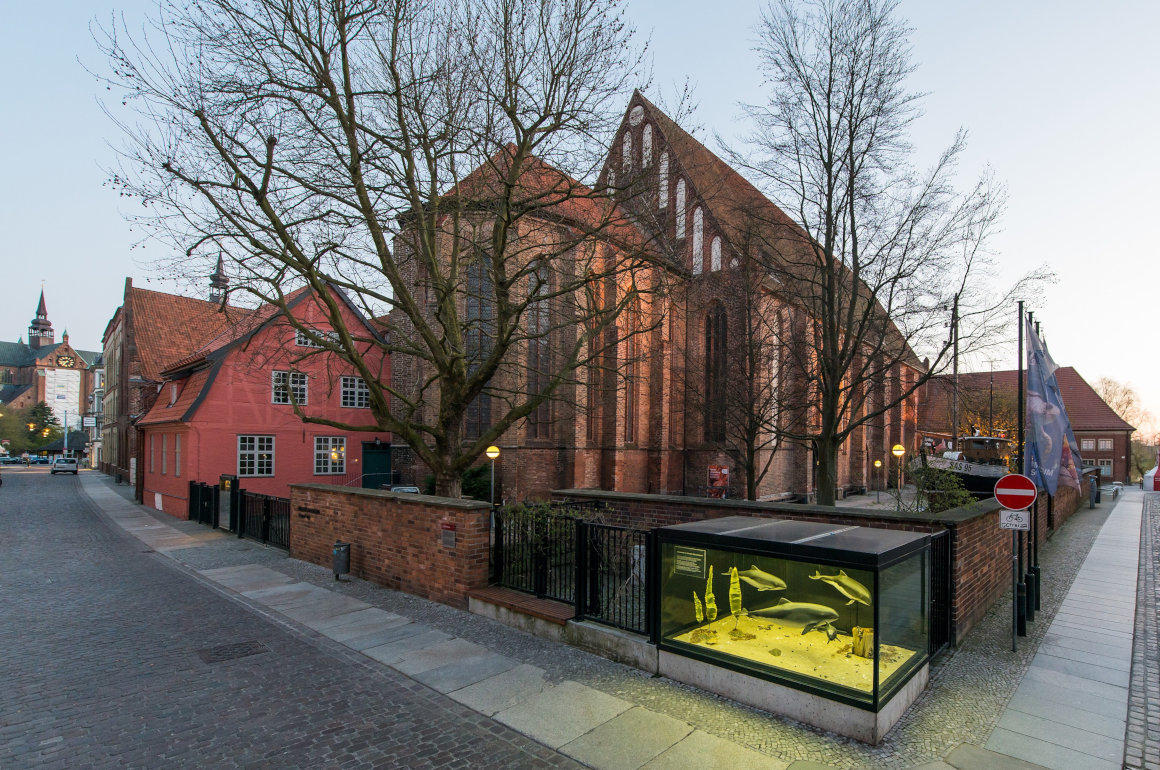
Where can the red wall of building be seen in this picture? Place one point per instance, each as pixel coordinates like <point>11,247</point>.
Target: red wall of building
<point>238,401</point>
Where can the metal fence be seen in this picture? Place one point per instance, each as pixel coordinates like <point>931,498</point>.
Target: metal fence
<point>600,569</point>
<point>940,589</point>
<point>203,503</point>
<point>264,518</point>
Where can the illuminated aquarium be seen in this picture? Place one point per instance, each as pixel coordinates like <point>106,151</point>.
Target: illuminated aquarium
<point>833,610</point>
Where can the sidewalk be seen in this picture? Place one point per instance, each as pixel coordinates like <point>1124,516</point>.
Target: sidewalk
<point>599,712</point>
<point>1071,707</point>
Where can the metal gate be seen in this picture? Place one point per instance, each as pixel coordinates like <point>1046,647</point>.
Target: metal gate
<point>203,503</point>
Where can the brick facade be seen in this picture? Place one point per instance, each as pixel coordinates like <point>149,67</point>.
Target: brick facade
<point>397,540</point>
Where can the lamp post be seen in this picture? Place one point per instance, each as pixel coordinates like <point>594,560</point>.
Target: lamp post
<point>492,452</point>
<point>881,483</point>
<point>898,450</point>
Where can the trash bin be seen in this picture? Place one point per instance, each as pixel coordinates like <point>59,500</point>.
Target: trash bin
<point>341,558</point>
<point>1093,494</point>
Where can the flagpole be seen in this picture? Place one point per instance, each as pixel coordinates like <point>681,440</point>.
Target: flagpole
<point>1032,578</point>
<point>1020,597</point>
<point>1035,549</point>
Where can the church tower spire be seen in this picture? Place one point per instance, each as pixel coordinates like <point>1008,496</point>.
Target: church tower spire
<point>40,333</point>
<point>218,282</point>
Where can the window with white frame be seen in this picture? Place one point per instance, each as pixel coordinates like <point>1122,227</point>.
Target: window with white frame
<point>255,456</point>
<point>680,208</point>
<point>663,182</point>
<point>164,452</point>
<point>177,454</point>
<point>329,455</point>
<point>355,392</point>
<point>1087,445</point>
<point>303,340</point>
<point>1105,445</point>
<point>646,146</point>
<point>288,387</point>
<point>715,254</point>
<point>1105,466</point>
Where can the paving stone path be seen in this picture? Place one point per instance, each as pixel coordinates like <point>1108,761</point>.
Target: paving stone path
<point>1143,735</point>
<point>111,656</point>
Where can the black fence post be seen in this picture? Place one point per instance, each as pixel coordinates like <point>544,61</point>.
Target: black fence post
<point>265,519</point>
<point>652,587</point>
<point>541,534</point>
<point>497,547</point>
<point>217,507</point>
<point>243,499</point>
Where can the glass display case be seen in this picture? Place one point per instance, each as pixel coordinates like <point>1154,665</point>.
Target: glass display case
<point>835,610</point>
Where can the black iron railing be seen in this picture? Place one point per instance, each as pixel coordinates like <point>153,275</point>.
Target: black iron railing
<point>599,569</point>
<point>264,518</point>
<point>941,579</point>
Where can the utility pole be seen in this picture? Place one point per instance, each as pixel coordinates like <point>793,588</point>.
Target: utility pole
<point>1020,588</point>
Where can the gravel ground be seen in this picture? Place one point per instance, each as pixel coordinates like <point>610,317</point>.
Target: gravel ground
<point>969,687</point>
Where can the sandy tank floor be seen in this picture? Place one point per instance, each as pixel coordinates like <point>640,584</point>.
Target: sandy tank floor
<point>785,647</point>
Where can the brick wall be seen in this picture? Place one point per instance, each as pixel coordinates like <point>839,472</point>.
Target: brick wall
<point>397,540</point>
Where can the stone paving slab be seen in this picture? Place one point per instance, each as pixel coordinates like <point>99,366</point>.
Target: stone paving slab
<point>1069,715</point>
<point>503,690</point>
<point>628,740</point>
<point>311,613</point>
<point>436,655</point>
<point>247,578</point>
<point>387,633</point>
<point>416,639</point>
<point>971,757</point>
<point>276,595</point>
<point>1078,697</point>
<point>1087,670</point>
<point>1067,736</point>
<point>1109,658</point>
<point>465,672</point>
<point>703,751</point>
<point>1049,754</point>
<point>562,713</point>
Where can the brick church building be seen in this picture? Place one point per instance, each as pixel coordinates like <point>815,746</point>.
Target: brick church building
<point>651,420</point>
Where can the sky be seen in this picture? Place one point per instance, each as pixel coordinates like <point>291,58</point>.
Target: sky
<point>1059,98</point>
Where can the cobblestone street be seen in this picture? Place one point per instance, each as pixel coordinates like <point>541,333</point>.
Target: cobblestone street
<point>1143,740</point>
<point>113,657</point>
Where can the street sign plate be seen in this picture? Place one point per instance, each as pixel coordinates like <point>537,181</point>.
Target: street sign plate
<point>1009,519</point>
<point>1015,491</point>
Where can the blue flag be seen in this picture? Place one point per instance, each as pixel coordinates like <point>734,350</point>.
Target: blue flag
<point>1051,454</point>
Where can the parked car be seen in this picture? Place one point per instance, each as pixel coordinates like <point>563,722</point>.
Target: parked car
<point>403,488</point>
<point>64,465</point>
<point>9,460</point>
<point>39,461</point>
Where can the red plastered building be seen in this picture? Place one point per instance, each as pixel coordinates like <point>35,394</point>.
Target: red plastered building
<point>236,407</point>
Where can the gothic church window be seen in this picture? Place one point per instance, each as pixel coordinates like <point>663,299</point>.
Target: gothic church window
<point>698,240</point>
<point>479,331</point>
<point>539,356</point>
<point>626,153</point>
<point>646,147</point>
<point>680,209</point>
<point>663,182</point>
<point>715,254</point>
<point>716,339</point>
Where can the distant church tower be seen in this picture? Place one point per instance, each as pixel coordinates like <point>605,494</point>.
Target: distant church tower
<point>40,333</point>
<point>218,282</point>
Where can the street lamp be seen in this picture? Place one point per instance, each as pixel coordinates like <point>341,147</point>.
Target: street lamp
<point>492,452</point>
<point>898,450</point>
<point>878,490</point>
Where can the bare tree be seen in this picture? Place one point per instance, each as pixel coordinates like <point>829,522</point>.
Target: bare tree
<point>402,156</point>
<point>1124,401</point>
<point>879,258</point>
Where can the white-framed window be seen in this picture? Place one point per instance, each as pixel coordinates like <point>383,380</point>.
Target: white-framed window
<point>355,392</point>
<point>1087,445</point>
<point>177,454</point>
<point>698,240</point>
<point>715,254</point>
<point>1105,466</point>
<point>626,153</point>
<point>1105,445</point>
<point>255,456</point>
<point>663,182</point>
<point>646,146</point>
<point>164,452</point>
<point>288,387</point>
<point>303,341</point>
<point>680,208</point>
<point>329,455</point>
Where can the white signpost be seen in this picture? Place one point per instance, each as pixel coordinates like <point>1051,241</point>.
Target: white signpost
<point>1009,519</point>
<point>1016,493</point>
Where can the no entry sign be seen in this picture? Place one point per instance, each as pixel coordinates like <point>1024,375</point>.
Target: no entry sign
<point>1015,491</point>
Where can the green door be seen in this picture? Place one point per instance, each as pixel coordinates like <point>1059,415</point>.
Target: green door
<point>376,465</point>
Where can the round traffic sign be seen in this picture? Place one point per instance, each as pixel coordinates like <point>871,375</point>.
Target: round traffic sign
<point>1015,491</point>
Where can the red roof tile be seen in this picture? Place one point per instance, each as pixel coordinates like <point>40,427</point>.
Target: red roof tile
<point>1086,410</point>
<point>168,327</point>
<point>188,390</point>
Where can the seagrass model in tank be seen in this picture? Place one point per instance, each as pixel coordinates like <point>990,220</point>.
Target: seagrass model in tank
<point>836,610</point>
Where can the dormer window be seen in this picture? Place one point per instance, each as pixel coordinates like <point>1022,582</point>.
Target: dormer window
<point>172,393</point>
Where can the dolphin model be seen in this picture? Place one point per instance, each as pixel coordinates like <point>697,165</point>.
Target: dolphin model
<point>809,616</point>
<point>846,586</point>
<point>762,581</point>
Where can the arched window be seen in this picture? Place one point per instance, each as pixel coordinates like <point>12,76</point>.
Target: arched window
<point>663,182</point>
<point>698,241</point>
<point>680,209</point>
<point>539,351</point>
<point>479,336</point>
<point>631,369</point>
<point>646,147</point>
<point>626,153</point>
<point>715,254</point>
<point>716,341</point>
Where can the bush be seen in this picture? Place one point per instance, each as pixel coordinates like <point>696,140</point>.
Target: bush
<point>943,490</point>
<point>475,481</point>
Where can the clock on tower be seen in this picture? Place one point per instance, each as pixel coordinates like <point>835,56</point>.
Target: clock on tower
<point>65,361</point>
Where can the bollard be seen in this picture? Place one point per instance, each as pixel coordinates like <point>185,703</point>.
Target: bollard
<point>341,558</point>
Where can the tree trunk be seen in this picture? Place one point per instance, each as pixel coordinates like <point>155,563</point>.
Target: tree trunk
<point>827,450</point>
<point>750,472</point>
<point>448,484</point>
